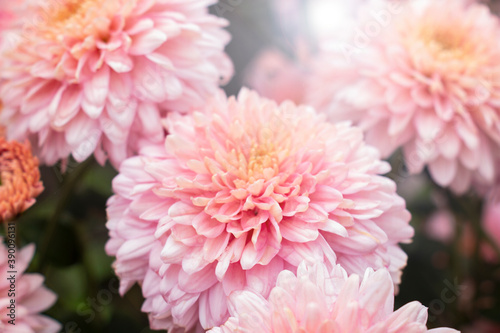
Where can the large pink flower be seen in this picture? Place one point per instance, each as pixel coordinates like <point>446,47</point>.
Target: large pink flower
<point>243,190</point>
<point>31,296</point>
<point>319,301</point>
<point>92,76</point>
<point>426,79</point>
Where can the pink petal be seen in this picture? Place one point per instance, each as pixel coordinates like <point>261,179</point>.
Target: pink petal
<point>146,42</point>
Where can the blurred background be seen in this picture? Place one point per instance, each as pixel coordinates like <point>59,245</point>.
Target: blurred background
<point>447,270</point>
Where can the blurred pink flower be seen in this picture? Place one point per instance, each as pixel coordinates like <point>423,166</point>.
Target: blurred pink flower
<point>243,190</point>
<point>96,76</point>
<point>31,296</point>
<point>441,226</point>
<point>422,78</point>
<point>277,77</point>
<point>318,301</point>
<point>492,214</point>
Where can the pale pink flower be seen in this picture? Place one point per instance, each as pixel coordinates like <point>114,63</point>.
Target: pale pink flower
<point>277,77</point>
<point>92,76</point>
<point>425,76</point>
<point>319,301</point>
<point>242,190</point>
<point>441,226</point>
<point>31,296</point>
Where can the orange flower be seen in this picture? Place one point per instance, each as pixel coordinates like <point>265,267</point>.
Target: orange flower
<point>19,178</point>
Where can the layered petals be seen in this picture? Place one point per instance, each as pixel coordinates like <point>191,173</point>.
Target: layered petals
<point>427,82</point>
<point>317,300</point>
<point>95,77</point>
<point>240,191</point>
<point>31,296</point>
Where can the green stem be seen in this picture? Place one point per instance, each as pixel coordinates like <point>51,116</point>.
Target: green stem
<point>67,188</point>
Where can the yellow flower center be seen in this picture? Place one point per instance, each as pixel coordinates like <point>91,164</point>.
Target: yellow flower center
<point>257,154</point>
<point>262,157</point>
<point>71,9</point>
<point>446,44</point>
<point>443,48</point>
<point>80,18</point>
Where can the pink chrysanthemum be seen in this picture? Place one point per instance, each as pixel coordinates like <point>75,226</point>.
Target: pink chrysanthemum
<point>243,190</point>
<point>31,298</point>
<point>319,301</point>
<point>92,76</point>
<point>422,78</point>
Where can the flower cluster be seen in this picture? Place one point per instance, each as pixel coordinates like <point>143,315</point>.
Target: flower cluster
<point>240,213</point>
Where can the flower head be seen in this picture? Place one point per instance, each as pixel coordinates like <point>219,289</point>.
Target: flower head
<point>19,178</point>
<point>428,81</point>
<point>244,189</point>
<point>94,76</point>
<point>32,297</point>
<point>317,300</point>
